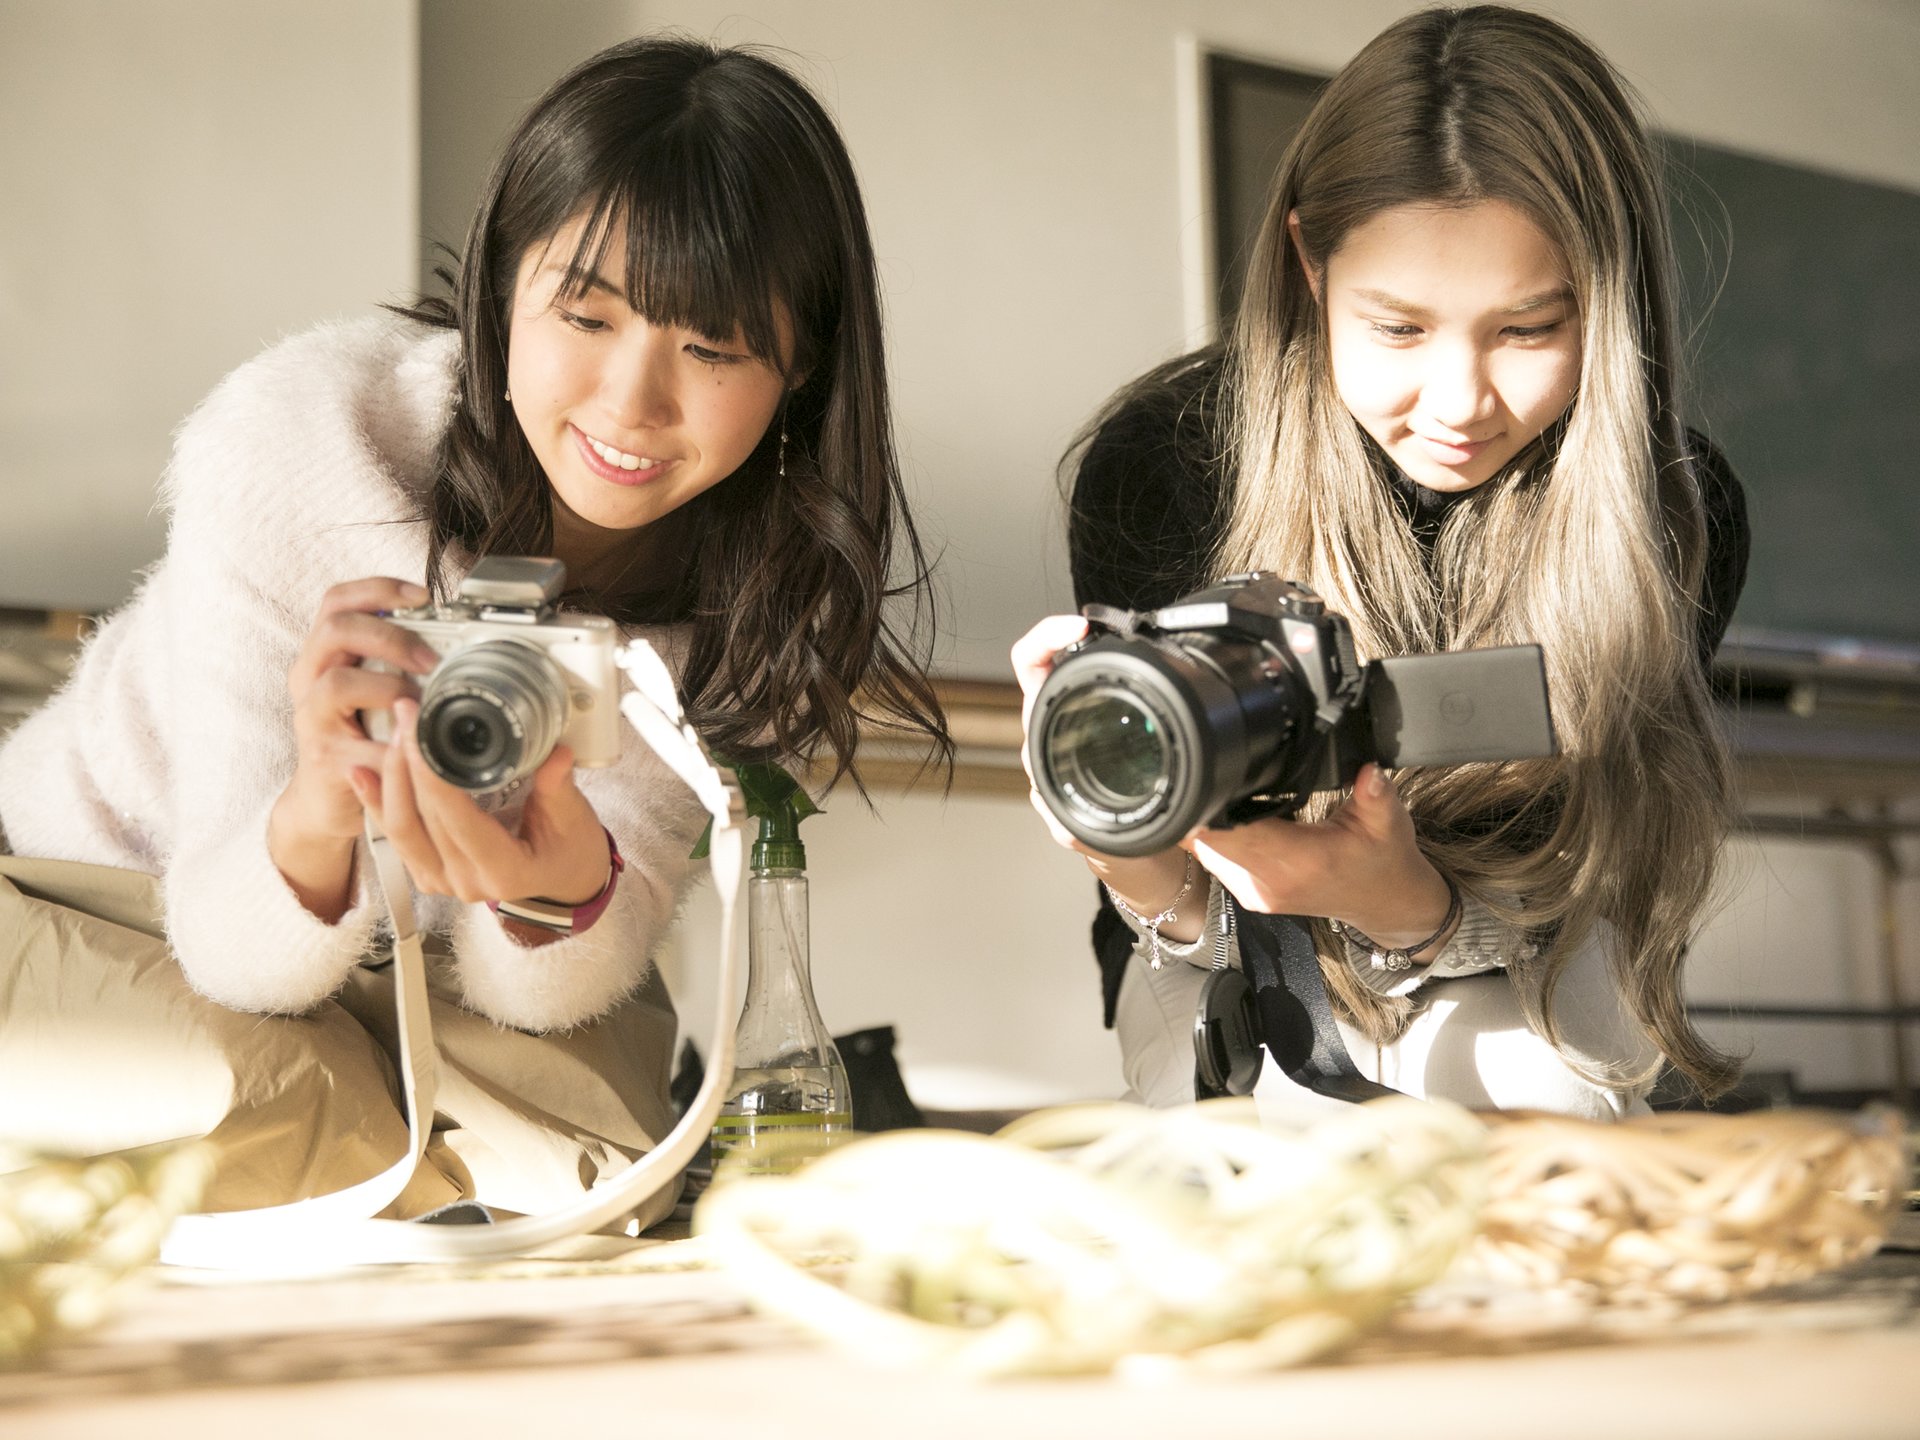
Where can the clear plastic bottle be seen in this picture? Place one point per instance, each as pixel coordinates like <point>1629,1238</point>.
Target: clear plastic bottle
<point>789,1085</point>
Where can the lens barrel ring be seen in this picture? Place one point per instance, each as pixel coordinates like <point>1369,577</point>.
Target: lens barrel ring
<point>1170,697</point>
<point>492,712</point>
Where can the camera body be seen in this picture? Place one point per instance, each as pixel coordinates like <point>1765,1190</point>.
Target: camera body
<point>515,678</point>
<point>1242,700</point>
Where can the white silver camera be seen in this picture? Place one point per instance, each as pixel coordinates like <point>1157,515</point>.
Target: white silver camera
<point>515,677</point>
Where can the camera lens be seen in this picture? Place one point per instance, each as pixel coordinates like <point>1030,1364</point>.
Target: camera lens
<point>466,730</point>
<point>471,736</point>
<point>1105,750</point>
<point>1136,740</point>
<point>491,713</point>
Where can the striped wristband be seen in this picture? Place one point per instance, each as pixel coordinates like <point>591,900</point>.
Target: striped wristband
<point>565,919</point>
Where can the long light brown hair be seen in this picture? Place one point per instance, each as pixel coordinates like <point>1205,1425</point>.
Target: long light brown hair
<point>1591,543</point>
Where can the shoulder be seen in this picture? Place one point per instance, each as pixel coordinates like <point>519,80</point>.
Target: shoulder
<point>1722,496</point>
<point>1723,577</point>
<point>1149,484</point>
<point>1156,429</point>
<point>340,421</point>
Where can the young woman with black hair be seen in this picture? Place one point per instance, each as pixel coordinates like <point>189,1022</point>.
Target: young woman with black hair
<point>662,365</point>
<point>1450,403</point>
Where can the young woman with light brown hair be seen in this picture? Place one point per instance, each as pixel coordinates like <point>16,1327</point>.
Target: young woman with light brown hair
<point>1450,403</point>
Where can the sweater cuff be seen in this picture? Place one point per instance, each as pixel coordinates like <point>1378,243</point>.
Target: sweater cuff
<point>561,983</point>
<point>243,938</point>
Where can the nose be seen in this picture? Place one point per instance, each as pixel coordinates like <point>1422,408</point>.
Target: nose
<point>1458,390</point>
<point>638,386</point>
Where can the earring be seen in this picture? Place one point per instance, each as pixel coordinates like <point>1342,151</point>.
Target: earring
<point>783,446</point>
<point>508,397</point>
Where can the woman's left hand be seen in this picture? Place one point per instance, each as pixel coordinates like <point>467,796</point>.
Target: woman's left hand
<point>452,847</point>
<point>1360,865</point>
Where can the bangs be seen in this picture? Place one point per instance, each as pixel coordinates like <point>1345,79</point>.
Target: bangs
<point>695,257</point>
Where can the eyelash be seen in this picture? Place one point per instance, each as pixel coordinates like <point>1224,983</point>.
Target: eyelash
<point>1409,332</point>
<point>712,359</point>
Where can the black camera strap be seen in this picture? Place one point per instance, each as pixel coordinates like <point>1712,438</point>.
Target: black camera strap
<point>1296,1017</point>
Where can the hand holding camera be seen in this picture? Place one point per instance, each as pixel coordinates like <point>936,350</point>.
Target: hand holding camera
<point>408,712</point>
<point>1183,726</point>
<point>314,823</point>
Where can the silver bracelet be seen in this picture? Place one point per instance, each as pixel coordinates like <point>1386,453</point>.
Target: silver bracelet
<point>1399,957</point>
<point>1155,959</point>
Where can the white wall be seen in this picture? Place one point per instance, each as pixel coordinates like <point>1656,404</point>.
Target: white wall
<point>182,183</point>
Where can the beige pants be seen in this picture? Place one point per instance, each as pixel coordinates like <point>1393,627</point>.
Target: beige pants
<point>104,1045</point>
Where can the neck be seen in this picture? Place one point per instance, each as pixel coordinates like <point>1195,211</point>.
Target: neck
<point>618,563</point>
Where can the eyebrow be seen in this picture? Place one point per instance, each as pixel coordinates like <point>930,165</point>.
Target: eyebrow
<point>571,275</point>
<point>1545,300</point>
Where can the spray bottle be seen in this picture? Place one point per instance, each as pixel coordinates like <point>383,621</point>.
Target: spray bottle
<point>789,1085</point>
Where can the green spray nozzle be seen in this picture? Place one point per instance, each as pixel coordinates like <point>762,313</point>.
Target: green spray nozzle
<point>773,798</point>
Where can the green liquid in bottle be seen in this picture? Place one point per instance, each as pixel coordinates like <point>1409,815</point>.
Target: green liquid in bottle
<point>776,1116</point>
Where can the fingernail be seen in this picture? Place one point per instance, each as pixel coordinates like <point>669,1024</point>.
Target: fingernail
<point>425,658</point>
<point>414,594</point>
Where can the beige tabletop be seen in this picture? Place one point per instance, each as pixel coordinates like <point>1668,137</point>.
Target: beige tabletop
<point>594,1349</point>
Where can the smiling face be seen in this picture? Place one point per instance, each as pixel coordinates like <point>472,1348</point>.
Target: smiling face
<point>628,418</point>
<point>1454,337</point>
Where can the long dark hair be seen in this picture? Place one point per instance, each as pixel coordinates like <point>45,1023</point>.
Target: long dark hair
<point>737,196</point>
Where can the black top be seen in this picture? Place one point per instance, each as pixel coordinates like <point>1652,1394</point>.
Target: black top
<point>1148,510</point>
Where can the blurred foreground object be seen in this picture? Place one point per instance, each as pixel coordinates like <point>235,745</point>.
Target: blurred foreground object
<point>71,1229</point>
<point>1686,1206</point>
<point>1197,1239</point>
<point>1188,1233</point>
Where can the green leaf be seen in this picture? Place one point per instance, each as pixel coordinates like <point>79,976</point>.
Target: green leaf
<point>768,791</point>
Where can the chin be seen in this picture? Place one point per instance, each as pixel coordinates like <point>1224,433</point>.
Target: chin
<point>1448,481</point>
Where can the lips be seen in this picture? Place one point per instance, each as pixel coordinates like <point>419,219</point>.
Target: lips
<point>618,466</point>
<point>1449,452</point>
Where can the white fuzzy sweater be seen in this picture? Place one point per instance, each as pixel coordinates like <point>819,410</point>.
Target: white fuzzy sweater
<point>168,748</point>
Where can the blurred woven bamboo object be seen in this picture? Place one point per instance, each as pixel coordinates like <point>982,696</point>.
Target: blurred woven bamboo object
<point>1100,1237</point>
<point>1686,1207</point>
<point>72,1229</point>
<point>1190,1233</point>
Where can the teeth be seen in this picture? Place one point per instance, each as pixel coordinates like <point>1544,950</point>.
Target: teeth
<point>620,457</point>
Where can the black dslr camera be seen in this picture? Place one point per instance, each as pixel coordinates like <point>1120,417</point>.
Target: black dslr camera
<point>1243,699</point>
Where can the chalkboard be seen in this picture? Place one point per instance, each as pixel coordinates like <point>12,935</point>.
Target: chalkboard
<point>1252,111</point>
<point>1807,373</point>
<point>1802,300</point>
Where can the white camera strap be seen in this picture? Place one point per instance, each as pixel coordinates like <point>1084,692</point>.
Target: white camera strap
<point>333,1231</point>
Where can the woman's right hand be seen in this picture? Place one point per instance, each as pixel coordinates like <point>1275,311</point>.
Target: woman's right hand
<point>1147,883</point>
<point>318,816</point>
